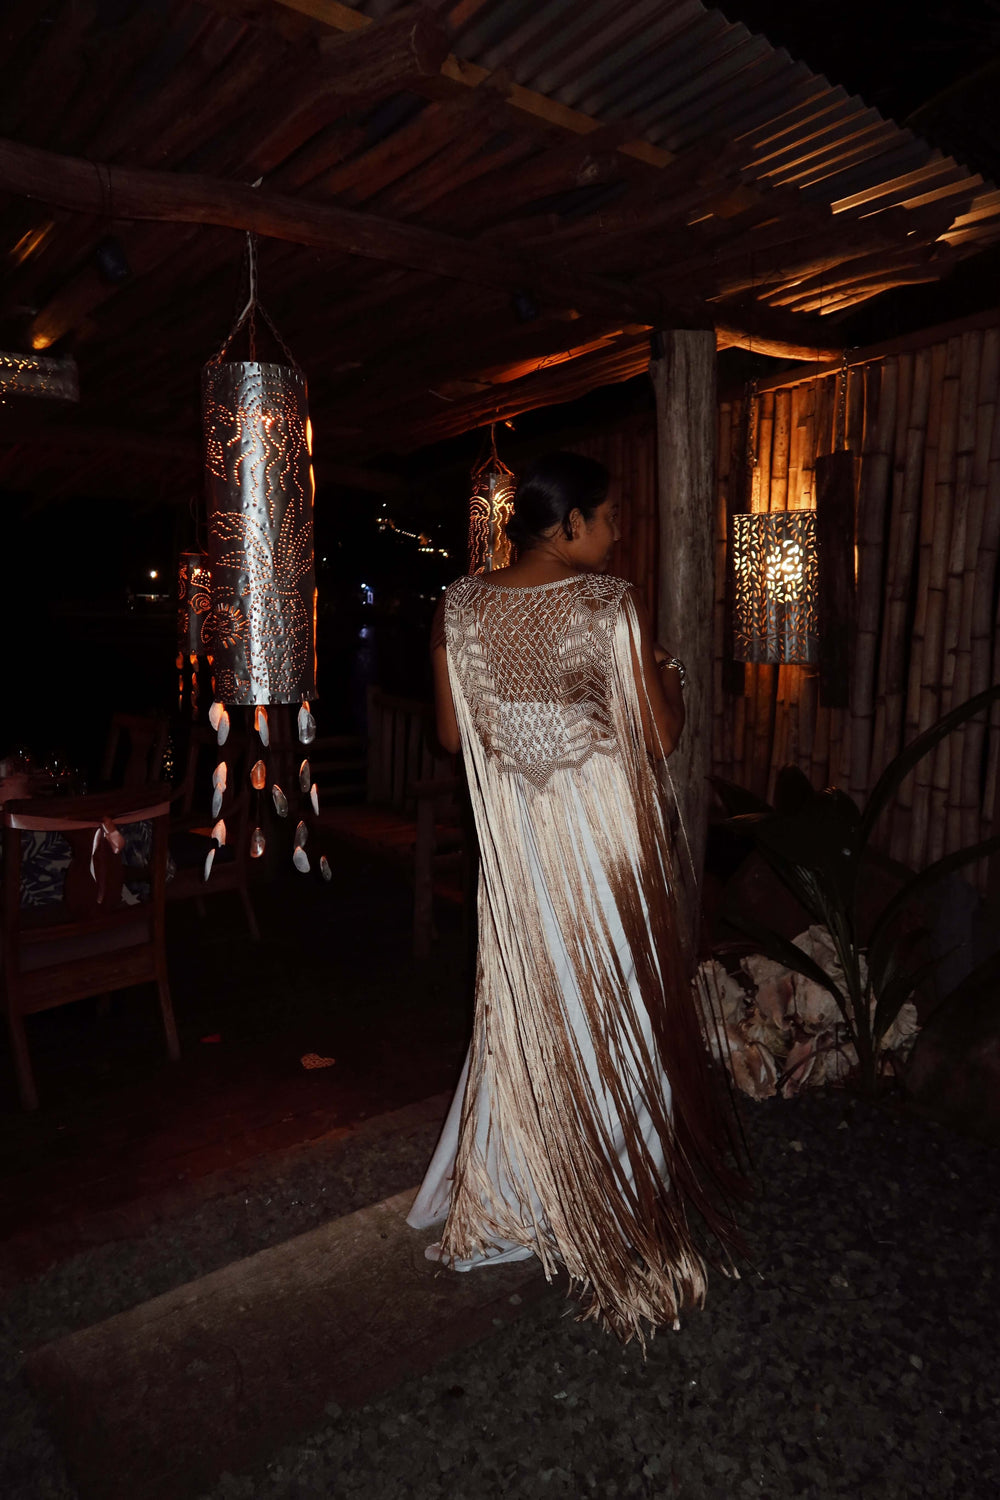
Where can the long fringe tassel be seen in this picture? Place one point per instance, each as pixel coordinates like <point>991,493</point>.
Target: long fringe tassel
<point>588,851</point>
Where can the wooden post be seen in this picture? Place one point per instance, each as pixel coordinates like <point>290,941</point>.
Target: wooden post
<point>683,374</point>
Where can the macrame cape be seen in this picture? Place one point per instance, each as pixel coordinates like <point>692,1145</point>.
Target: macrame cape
<point>583,1007</point>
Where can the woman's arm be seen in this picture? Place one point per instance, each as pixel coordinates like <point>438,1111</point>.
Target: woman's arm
<point>663,689</point>
<point>445,718</point>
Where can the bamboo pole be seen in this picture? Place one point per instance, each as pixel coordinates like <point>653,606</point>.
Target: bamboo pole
<point>907,800</point>
<point>990,876</point>
<point>780,442</point>
<point>980,575</point>
<point>880,426</point>
<point>761,489</point>
<point>897,565</point>
<point>966,531</point>
<point>719,644</point>
<point>938,499</point>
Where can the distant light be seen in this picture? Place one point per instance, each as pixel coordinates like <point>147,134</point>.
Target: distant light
<point>153,573</point>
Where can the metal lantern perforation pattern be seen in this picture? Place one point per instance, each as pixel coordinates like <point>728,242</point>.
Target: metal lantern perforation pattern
<point>261,626</point>
<point>490,507</point>
<point>39,375</point>
<point>776,565</point>
<point>194,600</point>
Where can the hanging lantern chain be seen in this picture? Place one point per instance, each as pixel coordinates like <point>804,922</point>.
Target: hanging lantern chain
<point>249,316</point>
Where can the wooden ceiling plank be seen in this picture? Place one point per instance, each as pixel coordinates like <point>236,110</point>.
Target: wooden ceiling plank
<point>25,106</point>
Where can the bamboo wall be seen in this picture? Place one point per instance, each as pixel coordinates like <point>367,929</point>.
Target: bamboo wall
<point>924,426</point>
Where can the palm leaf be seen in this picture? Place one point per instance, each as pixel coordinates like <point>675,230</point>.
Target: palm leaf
<point>926,879</point>
<point>897,770</point>
<point>783,951</point>
<point>895,995</point>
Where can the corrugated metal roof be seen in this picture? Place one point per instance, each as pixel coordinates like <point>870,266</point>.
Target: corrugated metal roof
<point>680,72</point>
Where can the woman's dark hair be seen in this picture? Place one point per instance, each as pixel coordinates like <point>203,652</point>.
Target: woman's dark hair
<point>549,489</point>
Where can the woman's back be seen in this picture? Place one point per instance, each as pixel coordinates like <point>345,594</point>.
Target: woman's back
<point>536,668</point>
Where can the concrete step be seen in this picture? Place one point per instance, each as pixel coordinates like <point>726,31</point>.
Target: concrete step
<point>219,1373</point>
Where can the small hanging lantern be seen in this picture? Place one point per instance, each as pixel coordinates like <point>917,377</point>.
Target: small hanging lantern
<point>194,600</point>
<point>776,566</point>
<point>490,506</point>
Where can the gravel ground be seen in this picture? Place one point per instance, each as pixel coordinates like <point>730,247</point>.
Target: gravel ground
<point>856,1357</point>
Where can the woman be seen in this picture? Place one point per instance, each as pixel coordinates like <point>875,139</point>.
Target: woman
<point>585,1125</point>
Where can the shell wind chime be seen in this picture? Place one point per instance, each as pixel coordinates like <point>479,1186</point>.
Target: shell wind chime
<point>490,506</point>
<point>260,625</point>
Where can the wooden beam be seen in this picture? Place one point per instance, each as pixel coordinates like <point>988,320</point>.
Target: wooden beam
<point>339,17</point>
<point>683,376</point>
<point>168,197</point>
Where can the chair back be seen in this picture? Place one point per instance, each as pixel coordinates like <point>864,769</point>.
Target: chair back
<point>92,826</point>
<point>133,754</point>
<point>402,749</point>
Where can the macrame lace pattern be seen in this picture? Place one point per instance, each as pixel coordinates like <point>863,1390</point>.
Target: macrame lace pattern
<point>534,666</point>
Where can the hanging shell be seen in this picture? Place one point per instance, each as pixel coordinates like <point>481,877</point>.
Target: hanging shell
<point>324,868</point>
<point>300,860</point>
<point>219,832</point>
<point>215,714</point>
<point>261,725</point>
<point>301,834</point>
<point>280,801</point>
<point>209,861</point>
<point>257,844</point>
<point>307,725</point>
<point>258,776</point>
<point>305,776</point>
<point>314,798</point>
<point>222,733</point>
<point>216,802</point>
<point>220,774</point>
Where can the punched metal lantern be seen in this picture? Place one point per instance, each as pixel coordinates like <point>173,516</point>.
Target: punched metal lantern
<point>490,507</point>
<point>38,375</point>
<point>260,630</point>
<point>194,601</point>
<point>776,566</point>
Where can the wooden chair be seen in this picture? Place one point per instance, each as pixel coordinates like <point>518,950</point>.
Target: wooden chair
<point>192,822</point>
<point>410,773</point>
<point>90,943</point>
<point>133,753</point>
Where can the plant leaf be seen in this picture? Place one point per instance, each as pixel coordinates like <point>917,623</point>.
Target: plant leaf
<point>783,951</point>
<point>926,879</point>
<point>792,791</point>
<point>886,959</point>
<point>738,799</point>
<point>894,996</point>
<point>897,770</point>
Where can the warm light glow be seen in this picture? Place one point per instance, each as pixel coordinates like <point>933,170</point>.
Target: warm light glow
<point>153,573</point>
<point>776,569</point>
<point>490,507</point>
<point>41,340</point>
<point>29,242</point>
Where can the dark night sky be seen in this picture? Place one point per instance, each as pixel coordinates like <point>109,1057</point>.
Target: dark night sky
<point>900,55</point>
